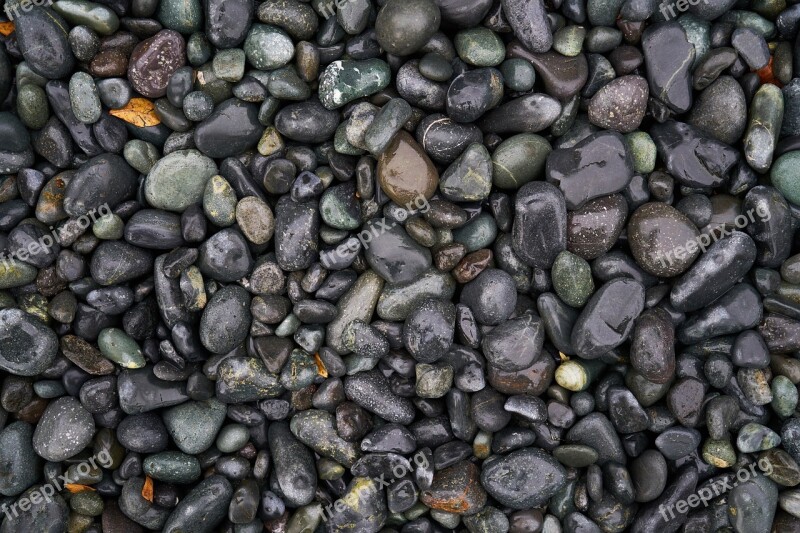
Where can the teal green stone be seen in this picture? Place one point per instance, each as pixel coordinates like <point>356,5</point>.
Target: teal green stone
<point>389,120</point>
<point>219,202</point>
<point>643,150</point>
<point>96,16</point>
<point>232,438</point>
<point>576,455</point>
<point>184,16</point>
<point>268,47</point>
<point>754,437</point>
<point>198,49</point>
<point>763,127</point>
<point>698,32</point>
<point>84,98</point>
<point>572,279</point>
<point>520,159</point>
<point>346,80</point>
<point>568,41</point>
<point>785,176</point>
<point>361,118</point>
<point>194,425</point>
<point>108,227</point>
<point>748,19</point>
<point>339,207</point>
<point>141,155</point>
<point>478,233</point>
<point>119,347</point>
<point>518,74</point>
<point>480,47</point>
<point>341,144</point>
<point>299,371</point>
<point>288,326</point>
<point>784,396</point>
<point>88,503</point>
<point>32,106</point>
<point>15,273</point>
<point>719,453</point>
<point>435,67</point>
<point>172,467</point>
<point>469,177</point>
<point>179,180</point>
<point>285,84</point>
<point>229,64</point>
<point>603,12</point>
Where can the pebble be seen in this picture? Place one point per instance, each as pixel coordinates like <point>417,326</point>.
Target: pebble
<point>64,430</point>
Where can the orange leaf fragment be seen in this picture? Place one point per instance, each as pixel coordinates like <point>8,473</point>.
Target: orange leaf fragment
<point>320,366</point>
<point>75,488</point>
<point>139,112</point>
<point>6,28</point>
<point>147,489</point>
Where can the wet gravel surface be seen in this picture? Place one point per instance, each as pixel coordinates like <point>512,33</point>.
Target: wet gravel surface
<point>399,266</point>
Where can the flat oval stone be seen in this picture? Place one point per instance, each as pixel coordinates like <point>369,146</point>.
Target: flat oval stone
<point>472,93</point>
<point>608,318</point>
<point>669,56</point>
<point>598,165</point>
<point>103,180</point>
<point>396,257</point>
<point>226,319</point>
<point>27,345</point>
<point>116,262</point>
<point>529,22</point>
<point>154,60</point>
<point>43,40</point>
<point>232,128</point>
<point>516,343</point>
<point>524,478</point>
<point>620,105</point>
<point>785,176</point>
<point>662,239</point>
<point>64,430</point>
<point>347,80</point>
<point>307,122</point>
<point>371,391</point>
<point>530,113</point>
<point>205,506</point>
<point>405,173</point>
<point>593,229</point>
<point>717,270</point>
<point>721,110</point>
<point>172,467</point>
<point>178,180</point>
<point>193,425</point>
<point>540,224</point>
<point>268,47</point>
<point>653,346</point>
<point>404,26</point>
<point>519,159</point>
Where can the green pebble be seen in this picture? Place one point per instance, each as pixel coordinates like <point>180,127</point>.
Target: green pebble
<point>288,326</point>
<point>518,74</point>
<point>341,144</point>
<point>197,106</point>
<point>479,233</point>
<point>346,80</point>
<point>96,16</point>
<point>784,396</point>
<point>719,453</point>
<point>184,16</point>
<point>228,64</point>
<point>435,67</point>
<point>572,279</point>
<point>519,159</point>
<point>232,438</point>
<point>15,273</point>
<point>299,371</point>
<point>172,467</point>
<point>219,202</point>
<point>84,98</point>
<point>785,176</point>
<point>285,84</point>
<point>108,227</point>
<point>141,155</point>
<point>643,150</point>
<point>339,207</point>
<point>88,503</point>
<point>328,469</point>
<point>120,348</point>
<point>480,47</point>
<point>568,41</point>
<point>32,106</point>
<point>198,49</point>
<point>268,47</point>
<point>179,180</point>
<point>469,177</point>
<point>389,120</point>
